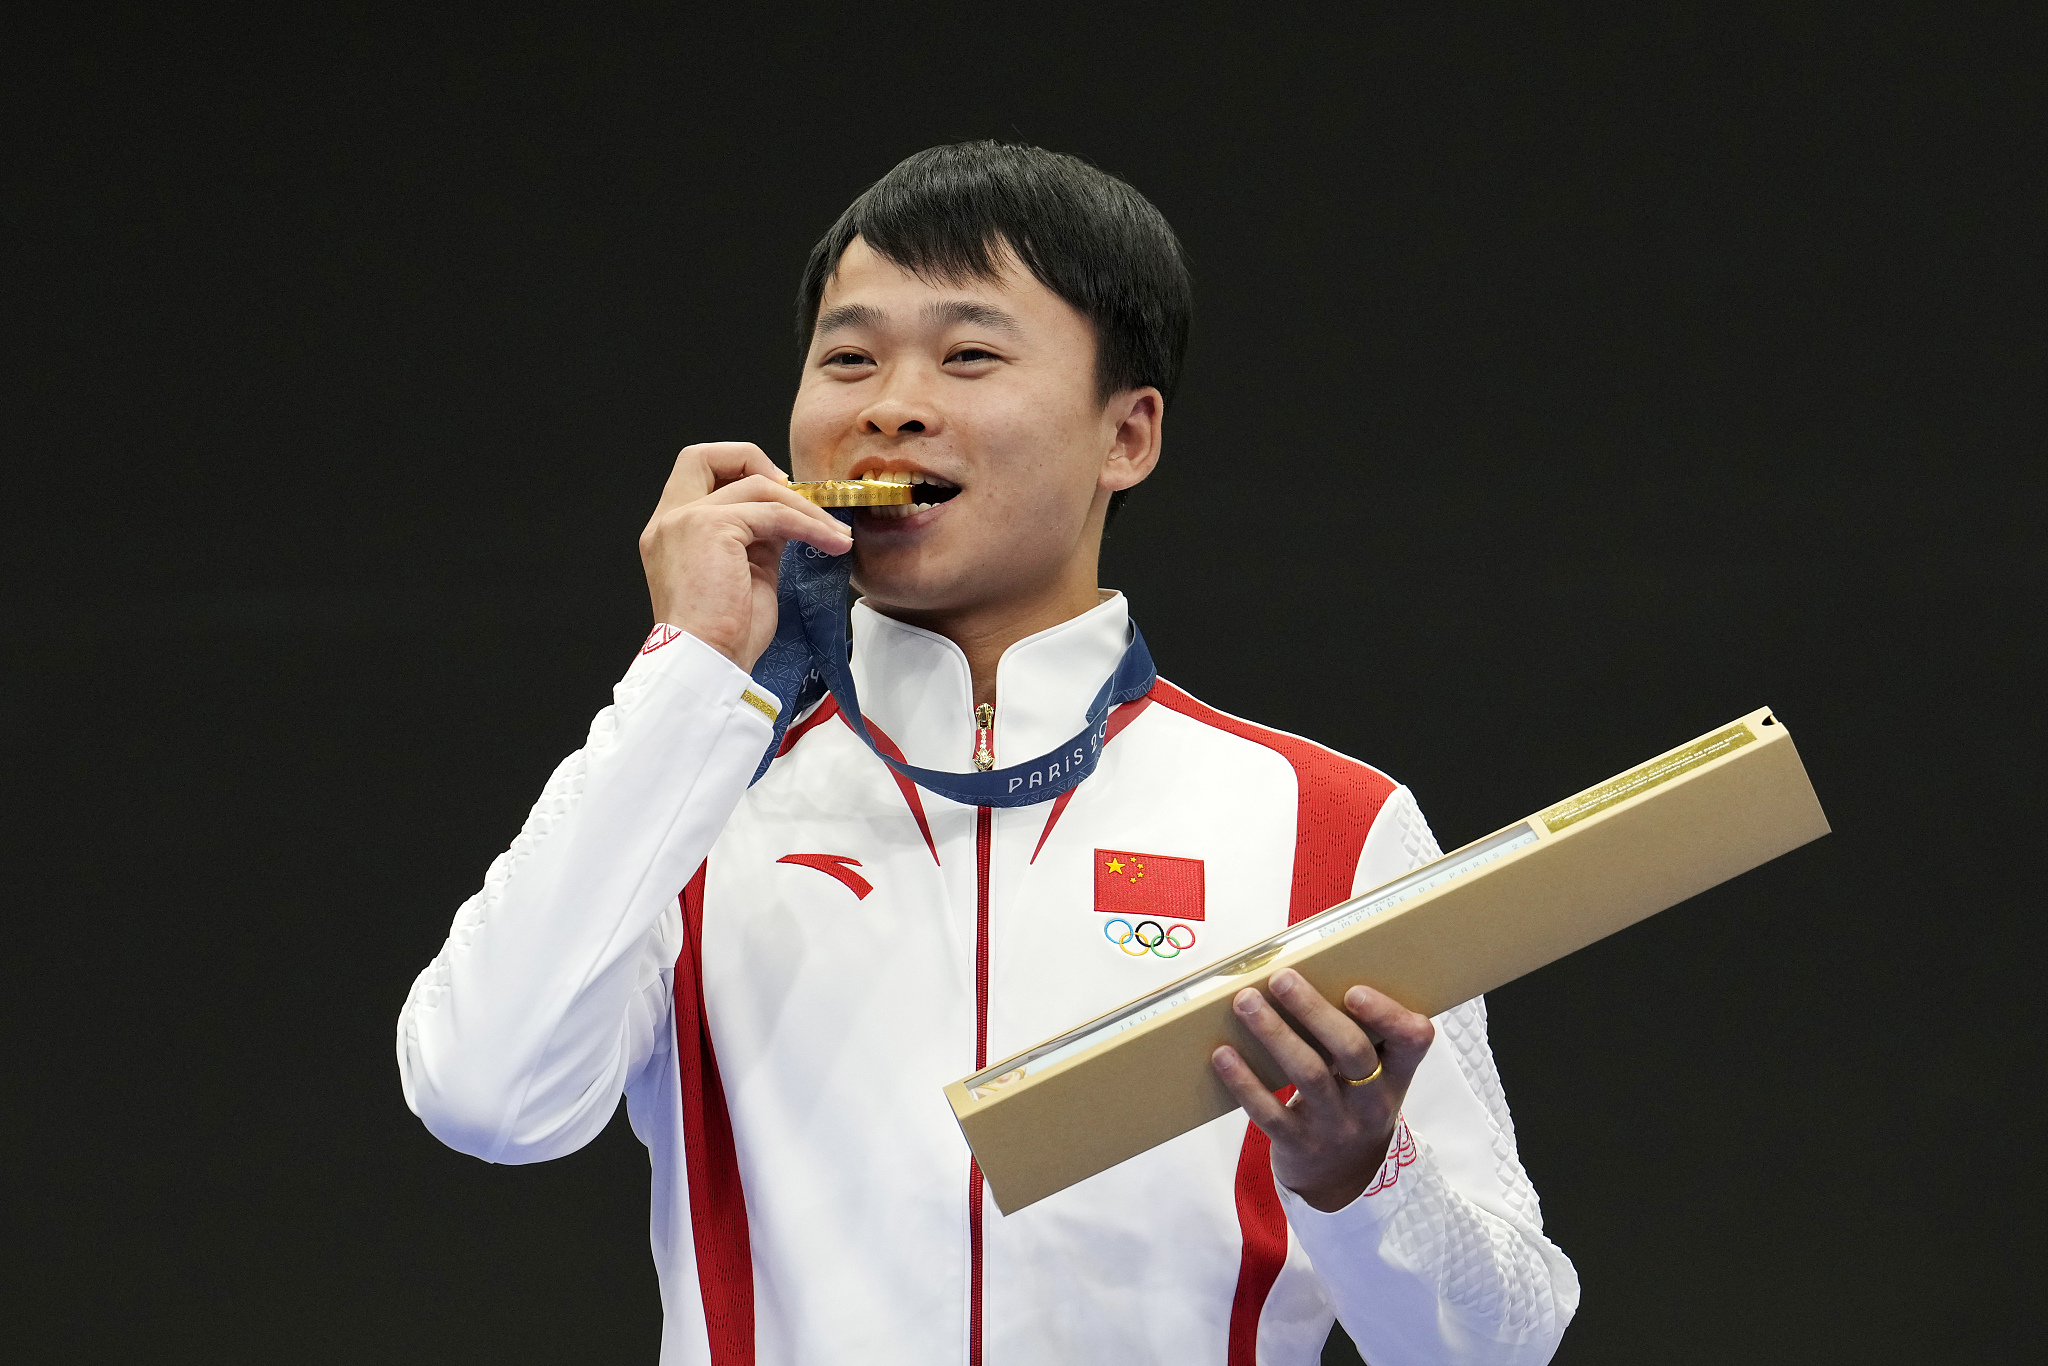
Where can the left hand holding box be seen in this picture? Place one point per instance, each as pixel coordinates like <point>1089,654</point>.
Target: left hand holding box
<point>1330,1138</point>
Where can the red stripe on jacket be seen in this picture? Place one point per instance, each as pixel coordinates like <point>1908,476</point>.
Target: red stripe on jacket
<point>828,709</point>
<point>1337,799</point>
<point>1119,718</point>
<point>903,784</point>
<point>824,712</point>
<point>718,1206</point>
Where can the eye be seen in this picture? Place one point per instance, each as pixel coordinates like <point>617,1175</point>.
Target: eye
<point>847,358</point>
<point>970,355</point>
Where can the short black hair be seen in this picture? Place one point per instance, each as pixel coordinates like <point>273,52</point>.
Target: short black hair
<point>946,213</point>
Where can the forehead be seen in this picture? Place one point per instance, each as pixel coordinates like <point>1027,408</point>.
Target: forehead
<point>871,288</point>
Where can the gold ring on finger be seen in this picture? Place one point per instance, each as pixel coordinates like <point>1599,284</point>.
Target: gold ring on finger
<point>1362,1081</point>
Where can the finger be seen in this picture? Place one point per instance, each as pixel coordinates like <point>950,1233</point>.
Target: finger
<point>1302,1064</point>
<point>1351,1052</point>
<point>775,522</point>
<point>710,465</point>
<point>1263,1107</point>
<point>760,489</point>
<point>1404,1035</point>
<point>730,461</point>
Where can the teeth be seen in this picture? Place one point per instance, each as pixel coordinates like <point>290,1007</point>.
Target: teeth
<point>900,510</point>
<point>909,477</point>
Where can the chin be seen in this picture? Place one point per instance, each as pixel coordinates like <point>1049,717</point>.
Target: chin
<point>924,579</point>
<point>942,561</point>
<point>909,588</point>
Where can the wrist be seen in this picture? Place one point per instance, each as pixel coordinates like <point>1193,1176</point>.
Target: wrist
<point>1366,1177</point>
<point>1331,1196</point>
<point>714,634</point>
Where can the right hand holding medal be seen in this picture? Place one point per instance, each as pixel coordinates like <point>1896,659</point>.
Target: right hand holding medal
<point>714,544</point>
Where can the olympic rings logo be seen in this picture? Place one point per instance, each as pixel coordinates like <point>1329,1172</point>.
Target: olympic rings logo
<point>1149,936</point>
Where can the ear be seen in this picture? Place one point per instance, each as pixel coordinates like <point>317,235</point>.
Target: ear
<point>1139,416</point>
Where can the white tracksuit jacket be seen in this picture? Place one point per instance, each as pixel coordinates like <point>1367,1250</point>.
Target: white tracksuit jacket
<point>844,944</point>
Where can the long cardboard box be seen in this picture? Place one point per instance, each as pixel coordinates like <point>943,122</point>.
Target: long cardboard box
<point>1453,929</point>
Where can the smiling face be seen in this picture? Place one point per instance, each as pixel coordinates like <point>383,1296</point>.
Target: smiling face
<point>987,390</point>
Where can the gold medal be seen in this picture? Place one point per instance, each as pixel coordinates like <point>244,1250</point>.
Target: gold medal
<point>888,490</point>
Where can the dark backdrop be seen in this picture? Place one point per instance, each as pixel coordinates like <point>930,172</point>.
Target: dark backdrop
<point>1559,392</point>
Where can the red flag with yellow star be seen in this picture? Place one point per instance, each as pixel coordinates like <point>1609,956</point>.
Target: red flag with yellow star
<point>1128,883</point>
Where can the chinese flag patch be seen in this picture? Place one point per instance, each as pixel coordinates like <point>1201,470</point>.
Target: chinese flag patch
<point>1148,884</point>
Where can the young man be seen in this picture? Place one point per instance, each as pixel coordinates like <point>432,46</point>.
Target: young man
<point>782,974</point>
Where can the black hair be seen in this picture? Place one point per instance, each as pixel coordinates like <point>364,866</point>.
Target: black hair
<point>946,213</point>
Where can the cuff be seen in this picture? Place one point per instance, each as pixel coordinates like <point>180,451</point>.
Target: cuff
<point>1386,1193</point>
<point>672,653</point>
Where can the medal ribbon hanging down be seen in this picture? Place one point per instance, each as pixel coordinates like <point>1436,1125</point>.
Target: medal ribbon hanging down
<point>809,656</point>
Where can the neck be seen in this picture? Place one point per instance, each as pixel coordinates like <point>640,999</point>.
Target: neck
<point>985,630</point>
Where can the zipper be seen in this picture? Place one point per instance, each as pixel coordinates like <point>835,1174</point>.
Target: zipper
<point>984,850</point>
<point>984,737</point>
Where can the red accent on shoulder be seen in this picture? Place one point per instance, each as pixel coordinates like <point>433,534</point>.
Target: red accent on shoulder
<point>824,712</point>
<point>903,784</point>
<point>718,1206</point>
<point>1123,716</point>
<point>661,635</point>
<point>1337,801</point>
<point>836,866</point>
<point>1264,1227</point>
<point>1118,718</point>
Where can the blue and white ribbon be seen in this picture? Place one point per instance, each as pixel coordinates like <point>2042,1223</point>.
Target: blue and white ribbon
<point>809,656</point>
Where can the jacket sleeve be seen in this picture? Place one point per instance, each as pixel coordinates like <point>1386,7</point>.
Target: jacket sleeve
<point>1443,1258</point>
<point>515,1042</point>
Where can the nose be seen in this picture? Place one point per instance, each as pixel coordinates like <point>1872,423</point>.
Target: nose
<point>901,409</point>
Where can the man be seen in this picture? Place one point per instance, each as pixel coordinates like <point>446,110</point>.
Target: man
<point>782,976</point>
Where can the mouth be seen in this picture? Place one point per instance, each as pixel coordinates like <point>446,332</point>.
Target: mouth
<point>929,492</point>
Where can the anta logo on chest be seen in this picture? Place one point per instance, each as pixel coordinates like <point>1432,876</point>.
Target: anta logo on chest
<point>1140,893</point>
<point>837,866</point>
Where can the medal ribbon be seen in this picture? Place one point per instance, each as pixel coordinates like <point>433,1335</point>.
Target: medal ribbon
<point>809,656</point>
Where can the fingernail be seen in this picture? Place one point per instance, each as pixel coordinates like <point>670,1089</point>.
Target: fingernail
<point>1247,1002</point>
<point>1286,980</point>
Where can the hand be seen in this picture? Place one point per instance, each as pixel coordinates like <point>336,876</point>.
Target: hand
<point>1331,1138</point>
<point>713,548</point>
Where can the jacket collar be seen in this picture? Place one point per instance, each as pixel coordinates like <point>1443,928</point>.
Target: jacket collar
<point>914,684</point>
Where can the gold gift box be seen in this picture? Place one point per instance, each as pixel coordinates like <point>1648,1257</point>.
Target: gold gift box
<point>1469,922</point>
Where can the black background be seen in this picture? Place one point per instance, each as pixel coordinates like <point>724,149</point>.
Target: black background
<point>1560,390</point>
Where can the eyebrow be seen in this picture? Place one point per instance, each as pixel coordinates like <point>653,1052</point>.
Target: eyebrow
<point>848,315</point>
<point>957,311</point>
<point>951,312</point>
